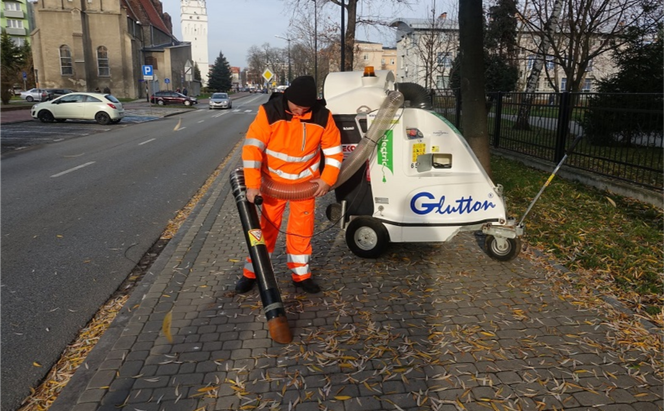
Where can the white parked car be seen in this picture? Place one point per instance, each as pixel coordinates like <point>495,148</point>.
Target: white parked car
<point>102,108</point>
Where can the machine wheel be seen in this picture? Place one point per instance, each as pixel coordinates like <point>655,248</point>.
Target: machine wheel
<point>102,118</point>
<point>187,103</point>
<point>367,237</point>
<point>160,102</point>
<point>45,116</point>
<point>29,99</point>
<point>504,249</point>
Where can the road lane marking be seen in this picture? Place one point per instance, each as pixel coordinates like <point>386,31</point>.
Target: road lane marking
<point>147,141</point>
<point>247,111</point>
<point>201,121</point>
<point>73,169</point>
<point>177,126</point>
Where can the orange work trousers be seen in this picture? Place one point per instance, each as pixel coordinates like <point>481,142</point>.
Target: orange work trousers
<point>299,230</point>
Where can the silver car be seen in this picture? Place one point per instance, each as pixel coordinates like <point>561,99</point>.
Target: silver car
<point>102,108</point>
<point>220,100</point>
<point>36,94</point>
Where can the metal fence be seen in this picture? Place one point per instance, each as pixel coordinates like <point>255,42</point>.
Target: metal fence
<point>623,133</point>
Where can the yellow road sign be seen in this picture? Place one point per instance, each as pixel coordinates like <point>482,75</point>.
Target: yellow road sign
<point>267,74</point>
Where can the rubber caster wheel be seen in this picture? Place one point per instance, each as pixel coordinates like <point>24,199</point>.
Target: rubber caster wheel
<point>367,237</point>
<point>503,249</point>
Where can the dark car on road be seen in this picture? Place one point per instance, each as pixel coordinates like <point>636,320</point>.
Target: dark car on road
<point>57,92</point>
<point>172,97</point>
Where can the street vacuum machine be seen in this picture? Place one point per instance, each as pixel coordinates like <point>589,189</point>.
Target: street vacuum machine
<point>408,175</point>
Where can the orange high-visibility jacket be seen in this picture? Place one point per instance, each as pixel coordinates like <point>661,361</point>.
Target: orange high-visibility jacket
<point>288,148</point>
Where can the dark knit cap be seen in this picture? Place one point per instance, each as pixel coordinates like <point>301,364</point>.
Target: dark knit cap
<point>302,91</point>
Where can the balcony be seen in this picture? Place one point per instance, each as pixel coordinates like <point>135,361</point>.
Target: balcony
<point>14,14</point>
<point>16,32</point>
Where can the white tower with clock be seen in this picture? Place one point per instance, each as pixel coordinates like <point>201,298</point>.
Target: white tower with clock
<point>194,22</point>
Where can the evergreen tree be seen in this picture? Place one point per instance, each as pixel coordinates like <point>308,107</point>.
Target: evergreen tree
<point>12,62</point>
<point>500,36</point>
<point>197,72</point>
<point>220,77</point>
<point>616,115</point>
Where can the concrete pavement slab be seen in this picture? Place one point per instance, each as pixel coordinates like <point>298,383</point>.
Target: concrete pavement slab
<point>426,326</point>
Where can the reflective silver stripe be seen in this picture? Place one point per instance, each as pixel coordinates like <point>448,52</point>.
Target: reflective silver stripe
<point>248,266</point>
<point>332,162</point>
<point>273,306</point>
<point>288,176</point>
<point>332,150</point>
<point>298,258</point>
<point>301,270</point>
<point>290,159</point>
<point>251,164</point>
<point>255,142</point>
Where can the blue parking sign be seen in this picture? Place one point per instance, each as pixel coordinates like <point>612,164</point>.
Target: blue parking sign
<point>147,70</point>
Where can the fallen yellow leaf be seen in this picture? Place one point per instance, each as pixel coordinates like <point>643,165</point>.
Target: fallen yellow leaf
<point>166,326</point>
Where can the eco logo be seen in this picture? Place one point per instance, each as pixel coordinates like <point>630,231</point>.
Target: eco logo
<point>385,157</point>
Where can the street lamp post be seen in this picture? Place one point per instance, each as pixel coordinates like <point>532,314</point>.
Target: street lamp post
<point>288,39</point>
<point>315,43</point>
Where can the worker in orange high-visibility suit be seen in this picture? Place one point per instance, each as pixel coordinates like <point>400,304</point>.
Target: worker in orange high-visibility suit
<point>285,142</point>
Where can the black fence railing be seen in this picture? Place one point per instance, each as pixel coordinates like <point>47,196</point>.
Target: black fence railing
<point>623,133</point>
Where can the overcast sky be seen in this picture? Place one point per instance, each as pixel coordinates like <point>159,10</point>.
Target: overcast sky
<point>236,25</point>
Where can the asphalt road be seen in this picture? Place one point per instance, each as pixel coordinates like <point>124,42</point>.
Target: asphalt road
<point>78,214</point>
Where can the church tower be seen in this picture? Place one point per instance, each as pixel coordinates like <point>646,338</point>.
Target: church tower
<point>194,23</point>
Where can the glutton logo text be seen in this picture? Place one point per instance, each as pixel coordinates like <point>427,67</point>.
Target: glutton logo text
<point>463,205</point>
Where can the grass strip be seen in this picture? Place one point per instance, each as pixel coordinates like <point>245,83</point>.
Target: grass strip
<point>616,242</point>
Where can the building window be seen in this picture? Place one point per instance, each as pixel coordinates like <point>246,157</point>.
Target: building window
<point>103,69</point>
<point>549,62</point>
<point>66,68</point>
<point>590,65</point>
<point>563,84</point>
<point>445,59</point>
<point>14,24</point>
<point>443,82</point>
<point>587,85</point>
<point>18,41</point>
<point>11,6</point>
<point>530,61</point>
<point>366,57</point>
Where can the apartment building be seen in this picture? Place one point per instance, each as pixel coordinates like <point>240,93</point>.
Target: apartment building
<point>16,20</point>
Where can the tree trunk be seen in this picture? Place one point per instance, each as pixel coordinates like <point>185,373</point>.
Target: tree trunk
<point>473,117</point>
<point>523,118</point>
<point>351,25</point>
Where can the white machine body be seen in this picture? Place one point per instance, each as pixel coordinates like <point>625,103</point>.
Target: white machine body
<point>425,183</point>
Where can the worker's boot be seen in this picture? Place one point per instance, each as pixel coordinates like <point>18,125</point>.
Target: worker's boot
<point>244,285</point>
<point>308,285</point>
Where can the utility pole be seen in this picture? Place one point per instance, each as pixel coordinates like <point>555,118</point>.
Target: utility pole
<point>315,43</point>
<point>343,35</point>
<point>288,39</point>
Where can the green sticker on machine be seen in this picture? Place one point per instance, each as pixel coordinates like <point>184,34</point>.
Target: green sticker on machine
<point>385,156</point>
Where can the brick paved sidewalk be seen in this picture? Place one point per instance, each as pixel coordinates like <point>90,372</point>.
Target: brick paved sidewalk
<point>428,326</point>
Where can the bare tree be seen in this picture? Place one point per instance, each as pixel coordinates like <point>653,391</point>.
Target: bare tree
<point>523,118</point>
<point>435,48</point>
<point>585,30</point>
<point>353,20</point>
<point>261,58</point>
<point>474,116</point>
